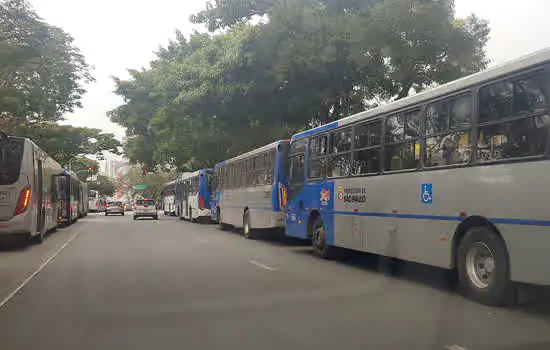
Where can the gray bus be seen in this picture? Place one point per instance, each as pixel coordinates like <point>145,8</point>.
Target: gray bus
<point>453,177</point>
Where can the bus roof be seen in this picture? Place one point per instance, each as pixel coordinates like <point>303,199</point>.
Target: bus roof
<point>253,152</point>
<point>497,71</point>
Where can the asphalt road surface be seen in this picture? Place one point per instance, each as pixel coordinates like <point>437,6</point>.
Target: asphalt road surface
<point>115,283</point>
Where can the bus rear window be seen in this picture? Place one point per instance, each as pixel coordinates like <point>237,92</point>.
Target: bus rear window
<point>11,155</point>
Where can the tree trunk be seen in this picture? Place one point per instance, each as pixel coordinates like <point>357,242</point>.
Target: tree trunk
<point>404,91</point>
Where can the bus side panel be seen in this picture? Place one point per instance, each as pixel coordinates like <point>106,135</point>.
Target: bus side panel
<point>231,205</point>
<point>258,201</point>
<point>314,196</point>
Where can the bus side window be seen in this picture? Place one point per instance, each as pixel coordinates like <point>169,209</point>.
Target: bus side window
<point>513,118</point>
<point>367,148</point>
<point>402,146</point>
<point>448,125</point>
<point>297,169</point>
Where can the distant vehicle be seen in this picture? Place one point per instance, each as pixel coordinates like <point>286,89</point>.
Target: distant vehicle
<point>145,208</point>
<point>193,192</point>
<point>114,208</point>
<point>30,203</point>
<point>95,202</point>
<point>129,206</point>
<point>454,177</point>
<point>247,189</point>
<point>168,198</point>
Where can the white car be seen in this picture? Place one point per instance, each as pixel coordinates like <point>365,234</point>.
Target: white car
<point>145,208</point>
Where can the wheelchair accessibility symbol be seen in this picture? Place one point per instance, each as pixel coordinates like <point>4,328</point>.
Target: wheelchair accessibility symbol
<point>426,194</point>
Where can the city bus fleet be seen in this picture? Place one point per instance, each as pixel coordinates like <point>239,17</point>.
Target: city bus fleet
<point>36,194</point>
<point>452,177</point>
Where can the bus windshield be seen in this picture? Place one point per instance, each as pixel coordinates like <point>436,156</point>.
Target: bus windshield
<point>11,155</point>
<point>92,194</point>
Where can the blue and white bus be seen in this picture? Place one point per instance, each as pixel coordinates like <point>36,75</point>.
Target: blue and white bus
<point>454,177</point>
<point>247,189</point>
<point>168,195</point>
<point>193,192</point>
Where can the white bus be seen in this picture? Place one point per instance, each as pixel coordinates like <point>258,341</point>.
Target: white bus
<point>168,198</point>
<point>29,202</point>
<point>453,177</point>
<point>193,195</point>
<point>247,189</point>
<point>96,204</point>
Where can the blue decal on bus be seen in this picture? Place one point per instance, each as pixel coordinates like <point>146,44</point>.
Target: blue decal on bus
<point>426,194</point>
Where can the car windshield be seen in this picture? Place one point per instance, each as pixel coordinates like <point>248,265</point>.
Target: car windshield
<point>145,202</point>
<point>114,203</point>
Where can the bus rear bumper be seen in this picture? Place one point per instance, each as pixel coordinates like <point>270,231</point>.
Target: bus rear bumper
<point>20,224</point>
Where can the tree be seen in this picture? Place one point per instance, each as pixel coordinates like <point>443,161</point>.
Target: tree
<point>79,164</point>
<point>103,185</point>
<point>41,73</point>
<point>209,97</point>
<point>153,181</point>
<point>65,142</point>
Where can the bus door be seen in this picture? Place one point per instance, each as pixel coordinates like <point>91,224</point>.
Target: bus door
<point>296,213</point>
<point>39,190</point>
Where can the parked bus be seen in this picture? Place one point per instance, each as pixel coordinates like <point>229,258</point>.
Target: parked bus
<point>247,189</point>
<point>68,187</point>
<point>95,202</point>
<point>168,201</point>
<point>193,195</point>
<point>27,192</point>
<point>453,177</point>
<point>82,199</point>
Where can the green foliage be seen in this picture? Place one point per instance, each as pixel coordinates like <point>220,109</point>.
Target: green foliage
<point>79,164</point>
<point>209,97</point>
<point>153,181</point>
<point>103,185</point>
<point>41,72</point>
<point>65,142</point>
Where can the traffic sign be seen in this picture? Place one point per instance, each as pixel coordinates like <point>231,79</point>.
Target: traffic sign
<point>141,187</point>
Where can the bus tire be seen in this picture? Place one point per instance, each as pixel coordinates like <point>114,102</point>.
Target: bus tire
<point>248,233</point>
<point>38,239</point>
<point>318,240</point>
<point>484,268</point>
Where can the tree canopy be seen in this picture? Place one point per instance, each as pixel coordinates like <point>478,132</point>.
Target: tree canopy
<point>42,77</point>
<point>103,185</point>
<point>209,96</point>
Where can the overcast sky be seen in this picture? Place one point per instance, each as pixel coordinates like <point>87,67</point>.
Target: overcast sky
<point>118,34</point>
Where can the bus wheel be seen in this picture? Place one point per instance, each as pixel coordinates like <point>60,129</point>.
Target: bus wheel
<point>484,268</point>
<point>318,240</point>
<point>38,239</point>
<point>247,231</point>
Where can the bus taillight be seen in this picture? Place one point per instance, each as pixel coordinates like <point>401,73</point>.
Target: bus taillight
<point>201,202</point>
<point>23,201</point>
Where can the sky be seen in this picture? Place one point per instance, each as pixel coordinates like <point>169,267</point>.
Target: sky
<point>115,35</point>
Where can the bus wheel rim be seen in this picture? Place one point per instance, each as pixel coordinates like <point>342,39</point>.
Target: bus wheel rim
<point>480,265</point>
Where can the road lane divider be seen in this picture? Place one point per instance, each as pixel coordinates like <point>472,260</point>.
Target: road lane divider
<point>5,300</point>
<point>260,265</point>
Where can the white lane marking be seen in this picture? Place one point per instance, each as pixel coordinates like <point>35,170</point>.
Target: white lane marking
<point>455,347</point>
<point>28,279</point>
<point>265,267</point>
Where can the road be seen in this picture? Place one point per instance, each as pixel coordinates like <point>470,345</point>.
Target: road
<point>115,283</point>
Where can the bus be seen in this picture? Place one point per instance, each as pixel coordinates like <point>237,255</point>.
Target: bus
<point>28,201</point>
<point>453,177</point>
<point>68,189</point>
<point>168,198</point>
<point>95,202</point>
<point>247,189</point>
<point>193,191</point>
<point>82,199</point>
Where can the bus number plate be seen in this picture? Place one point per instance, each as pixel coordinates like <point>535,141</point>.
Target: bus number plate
<point>4,195</point>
